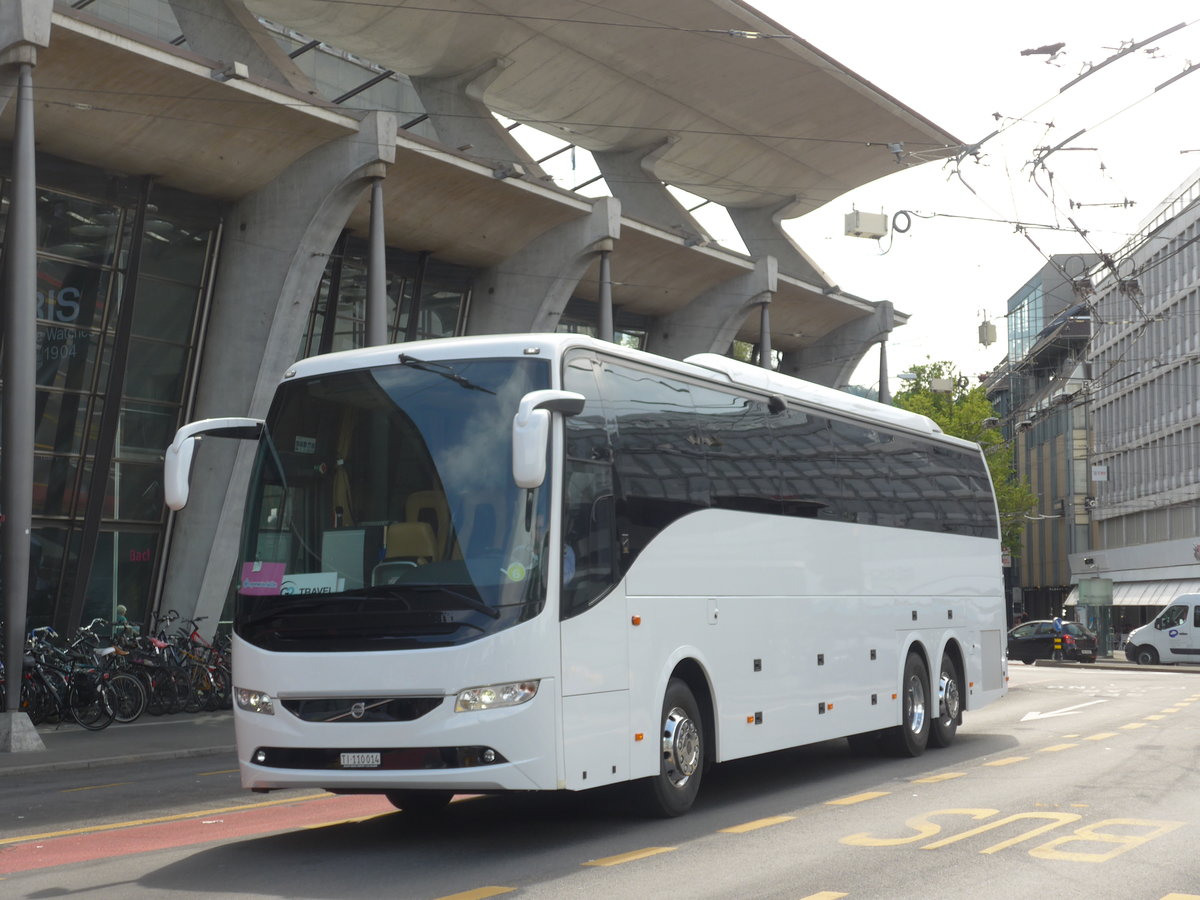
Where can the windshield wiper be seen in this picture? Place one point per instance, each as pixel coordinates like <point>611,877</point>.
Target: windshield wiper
<point>443,370</point>
<point>472,602</point>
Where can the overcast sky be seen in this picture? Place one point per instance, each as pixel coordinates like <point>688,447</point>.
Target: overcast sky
<point>962,67</point>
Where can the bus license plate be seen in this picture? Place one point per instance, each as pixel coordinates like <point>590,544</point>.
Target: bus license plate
<point>360,760</point>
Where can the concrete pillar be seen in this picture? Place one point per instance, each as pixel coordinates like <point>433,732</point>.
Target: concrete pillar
<point>24,27</point>
<point>463,121</point>
<point>376,271</point>
<point>710,322</point>
<point>226,31</point>
<point>275,247</point>
<point>630,176</point>
<point>761,230</point>
<point>832,362</point>
<point>605,329</point>
<point>530,289</point>
<point>764,332</point>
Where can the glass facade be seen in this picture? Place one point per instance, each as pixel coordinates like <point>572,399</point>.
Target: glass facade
<point>98,513</point>
<point>425,299</point>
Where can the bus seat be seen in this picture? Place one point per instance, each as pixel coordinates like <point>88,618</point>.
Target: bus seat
<point>430,507</point>
<point>410,541</point>
<point>406,545</point>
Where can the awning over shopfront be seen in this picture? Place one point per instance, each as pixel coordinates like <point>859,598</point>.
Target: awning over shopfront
<point>1145,593</point>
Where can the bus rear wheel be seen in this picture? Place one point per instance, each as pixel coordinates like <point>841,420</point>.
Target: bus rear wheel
<point>911,736</point>
<point>681,764</point>
<point>945,724</point>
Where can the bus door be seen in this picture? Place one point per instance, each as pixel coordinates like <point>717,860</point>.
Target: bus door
<point>594,629</point>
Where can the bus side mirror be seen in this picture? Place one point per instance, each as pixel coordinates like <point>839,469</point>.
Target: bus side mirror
<point>177,462</point>
<point>531,432</point>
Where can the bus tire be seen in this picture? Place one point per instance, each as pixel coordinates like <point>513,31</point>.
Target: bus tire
<point>1146,656</point>
<point>911,736</point>
<point>944,725</point>
<point>419,803</point>
<point>673,790</point>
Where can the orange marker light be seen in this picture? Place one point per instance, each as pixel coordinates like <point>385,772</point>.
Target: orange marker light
<point>638,736</point>
<point>636,620</point>
<point>749,720</point>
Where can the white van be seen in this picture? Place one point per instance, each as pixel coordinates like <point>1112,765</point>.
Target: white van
<point>1173,636</point>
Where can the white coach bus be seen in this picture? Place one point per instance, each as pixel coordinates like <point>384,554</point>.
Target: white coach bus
<point>546,562</point>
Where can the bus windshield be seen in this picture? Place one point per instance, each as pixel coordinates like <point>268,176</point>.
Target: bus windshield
<point>382,512</point>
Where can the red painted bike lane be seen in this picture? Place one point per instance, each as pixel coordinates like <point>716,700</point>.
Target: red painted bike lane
<point>143,836</point>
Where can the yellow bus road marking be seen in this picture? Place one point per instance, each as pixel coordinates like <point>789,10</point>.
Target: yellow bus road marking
<point>1153,718</point>
<point>857,798</point>
<point>133,823</point>
<point>1101,736</point>
<point>835,895</point>
<point>218,772</point>
<point>1171,709</point>
<point>479,893</point>
<point>757,824</point>
<point>1007,761</point>
<point>93,787</point>
<point>934,779</point>
<point>1054,748</point>
<point>1133,725</point>
<point>629,857</point>
<point>1180,897</point>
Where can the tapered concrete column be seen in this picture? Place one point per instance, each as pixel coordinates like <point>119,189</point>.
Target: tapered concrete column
<point>605,329</point>
<point>832,362</point>
<point>24,27</point>
<point>885,392</point>
<point>761,230</point>
<point>710,322</point>
<point>530,289</point>
<point>464,122</point>
<point>276,245</point>
<point>225,30</point>
<point>764,330</point>
<point>630,176</point>
<point>376,271</point>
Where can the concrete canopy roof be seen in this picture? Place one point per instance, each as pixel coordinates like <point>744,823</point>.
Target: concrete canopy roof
<point>754,122</point>
<point>119,100</point>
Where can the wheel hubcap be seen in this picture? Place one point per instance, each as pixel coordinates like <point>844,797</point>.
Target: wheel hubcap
<point>949,701</point>
<point>915,698</point>
<point>680,747</point>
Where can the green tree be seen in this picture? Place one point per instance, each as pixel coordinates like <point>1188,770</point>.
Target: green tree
<point>963,411</point>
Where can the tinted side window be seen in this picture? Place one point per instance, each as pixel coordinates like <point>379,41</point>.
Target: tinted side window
<point>742,469</point>
<point>860,475</point>
<point>804,449</point>
<point>659,473</point>
<point>589,563</point>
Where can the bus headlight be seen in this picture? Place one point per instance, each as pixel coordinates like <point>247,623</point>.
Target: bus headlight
<point>254,701</point>
<point>494,696</point>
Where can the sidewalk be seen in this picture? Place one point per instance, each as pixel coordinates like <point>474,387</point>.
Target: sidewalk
<point>149,738</point>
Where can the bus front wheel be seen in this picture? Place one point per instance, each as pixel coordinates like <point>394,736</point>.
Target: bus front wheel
<point>1146,656</point>
<point>911,736</point>
<point>419,803</point>
<point>682,751</point>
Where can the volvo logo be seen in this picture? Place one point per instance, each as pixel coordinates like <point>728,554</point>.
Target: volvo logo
<point>358,709</point>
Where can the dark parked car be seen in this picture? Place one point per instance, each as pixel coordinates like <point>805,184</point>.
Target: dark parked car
<point>1035,640</point>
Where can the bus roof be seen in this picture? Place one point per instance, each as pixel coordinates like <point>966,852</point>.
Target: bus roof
<point>710,367</point>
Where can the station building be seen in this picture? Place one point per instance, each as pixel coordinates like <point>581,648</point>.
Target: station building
<point>216,181</point>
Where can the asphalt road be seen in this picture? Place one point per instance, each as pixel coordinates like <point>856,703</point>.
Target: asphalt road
<point>1081,783</point>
